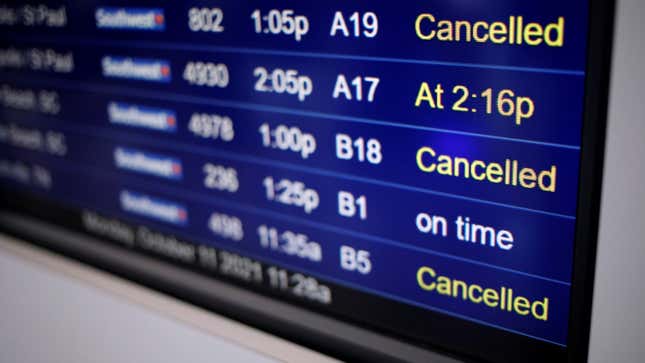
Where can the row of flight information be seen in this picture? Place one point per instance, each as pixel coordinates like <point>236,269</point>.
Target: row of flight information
<point>424,153</point>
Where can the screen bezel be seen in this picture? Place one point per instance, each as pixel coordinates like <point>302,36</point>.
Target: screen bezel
<point>599,50</point>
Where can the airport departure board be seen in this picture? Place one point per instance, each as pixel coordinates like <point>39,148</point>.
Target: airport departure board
<point>411,167</point>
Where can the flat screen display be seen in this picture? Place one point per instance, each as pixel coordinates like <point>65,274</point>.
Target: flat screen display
<point>408,167</point>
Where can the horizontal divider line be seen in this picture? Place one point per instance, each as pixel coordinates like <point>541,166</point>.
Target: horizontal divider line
<point>181,98</point>
<point>196,197</point>
<point>269,260</point>
<point>102,132</point>
<point>263,51</point>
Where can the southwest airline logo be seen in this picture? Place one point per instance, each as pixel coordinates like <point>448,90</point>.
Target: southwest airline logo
<point>151,207</point>
<point>147,163</point>
<point>130,18</point>
<point>153,70</point>
<point>144,117</point>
